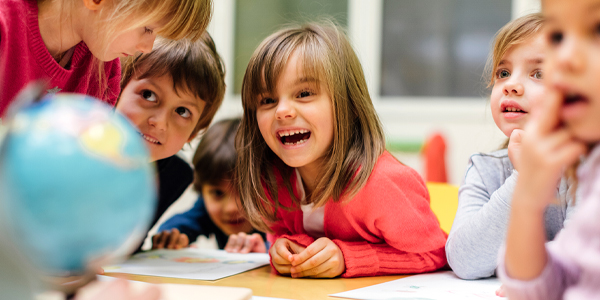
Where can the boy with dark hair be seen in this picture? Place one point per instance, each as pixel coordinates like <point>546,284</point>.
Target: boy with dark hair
<point>217,210</point>
<point>171,94</point>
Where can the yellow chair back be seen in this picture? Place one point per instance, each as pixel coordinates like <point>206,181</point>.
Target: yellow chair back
<point>444,203</point>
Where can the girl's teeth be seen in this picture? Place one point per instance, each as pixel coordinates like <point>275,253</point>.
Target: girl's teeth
<point>149,139</point>
<point>292,132</point>
<point>296,143</point>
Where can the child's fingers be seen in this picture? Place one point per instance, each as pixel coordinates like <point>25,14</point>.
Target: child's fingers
<point>248,244</point>
<point>158,240</point>
<point>232,244</point>
<point>184,241</point>
<point>314,248</point>
<point>235,242</point>
<point>280,253</point>
<point>295,249</point>
<point>312,272</point>
<point>173,239</point>
<point>328,269</point>
<point>545,114</point>
<point>258,243</point>
<point>242,239</point>
<point>516,136</point>
<point>501,292</point>
<point>281,264</point>
<point>312,262</point>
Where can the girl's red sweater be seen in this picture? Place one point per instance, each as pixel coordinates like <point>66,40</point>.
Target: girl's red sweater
<point>387,228</point>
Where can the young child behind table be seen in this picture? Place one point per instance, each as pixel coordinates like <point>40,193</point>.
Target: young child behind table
<point>565,125</point>
<point>217,210</point>
<point>481,220</point>
<point>170,95</point>
<point>75,45</point>
<point>313,168</point>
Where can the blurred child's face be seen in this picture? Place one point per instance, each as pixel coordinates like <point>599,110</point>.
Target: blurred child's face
<point>223,205</point>
<point>164,117</point>
<point>297,121</point>
<point>132,41</point>
<point>573,63</point>
<point>518,83</point>
<point>124,43</point>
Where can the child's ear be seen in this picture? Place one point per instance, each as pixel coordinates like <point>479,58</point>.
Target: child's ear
<point>94,4</point>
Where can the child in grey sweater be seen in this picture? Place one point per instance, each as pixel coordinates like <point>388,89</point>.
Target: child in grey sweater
<point>481,221</point>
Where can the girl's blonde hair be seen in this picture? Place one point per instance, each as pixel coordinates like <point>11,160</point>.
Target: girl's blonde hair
<point>182,19</point>
<point>358,138</point>
<point>513,33</point>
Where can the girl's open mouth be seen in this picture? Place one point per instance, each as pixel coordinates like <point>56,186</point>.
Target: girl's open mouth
<point>294,137</point>
<point>574,106</point>
<point>573,98</point>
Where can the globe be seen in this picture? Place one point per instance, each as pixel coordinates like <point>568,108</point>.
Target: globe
<point>76,184</point>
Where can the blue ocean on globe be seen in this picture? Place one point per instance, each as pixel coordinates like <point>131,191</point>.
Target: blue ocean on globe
<point>76,182</point>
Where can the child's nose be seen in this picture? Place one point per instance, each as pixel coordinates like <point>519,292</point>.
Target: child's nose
<point>158,120</point>
<point>513,87</point>
<point>285,110</point>
<point>146,44</point>
<point>231,205</point>
<point>570,57</point>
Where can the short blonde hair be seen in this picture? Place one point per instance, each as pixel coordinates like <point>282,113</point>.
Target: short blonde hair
<point>358,138</point>
<point>194,66</point>
<point>513,33</point>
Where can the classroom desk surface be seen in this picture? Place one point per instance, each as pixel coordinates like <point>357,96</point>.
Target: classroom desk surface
<point>266,284</point>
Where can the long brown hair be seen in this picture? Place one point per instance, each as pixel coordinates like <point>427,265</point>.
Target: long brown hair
<point>358,138</point>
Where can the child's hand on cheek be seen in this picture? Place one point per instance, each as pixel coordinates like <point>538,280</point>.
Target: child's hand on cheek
<point>546,150</point>
<point>514,147</point>
<point>322,259</point>
<point>282,252</point>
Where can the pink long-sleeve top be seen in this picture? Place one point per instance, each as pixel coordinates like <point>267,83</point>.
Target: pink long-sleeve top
<point>573,267</point>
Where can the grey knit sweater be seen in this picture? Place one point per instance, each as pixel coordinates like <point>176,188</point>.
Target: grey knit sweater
<point>481,221</point>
